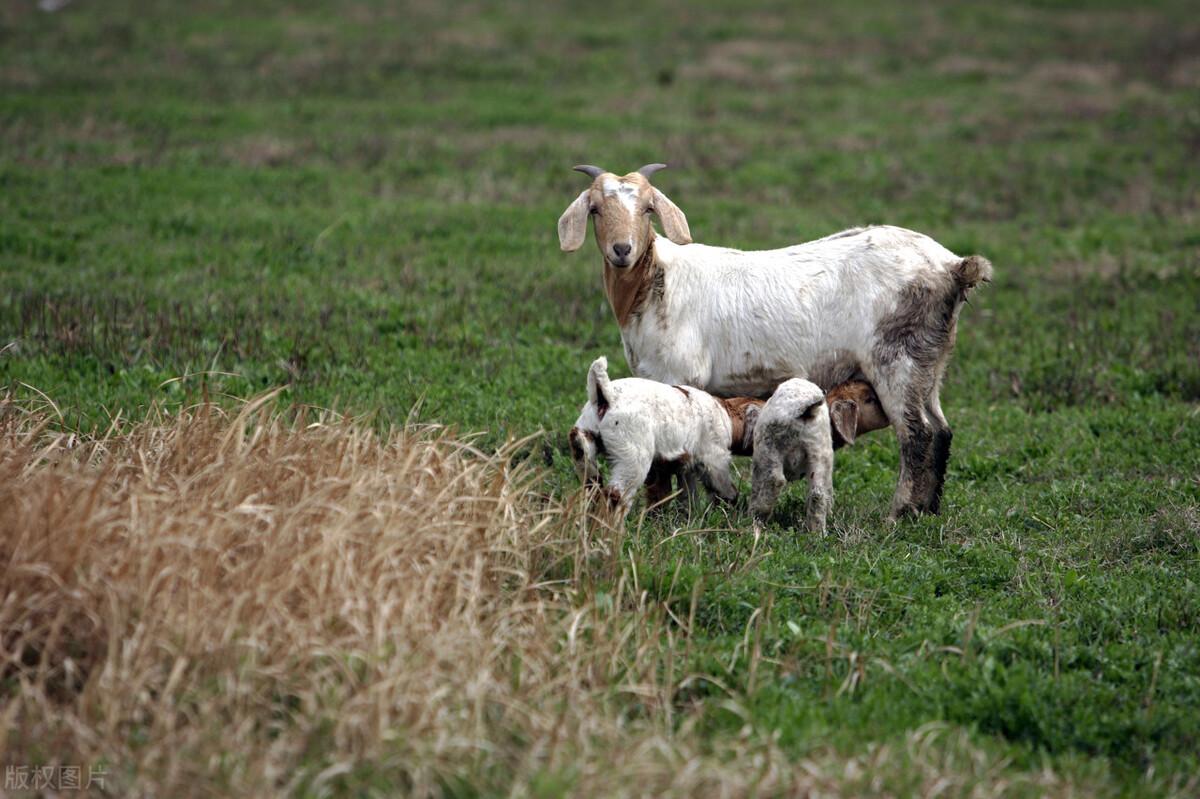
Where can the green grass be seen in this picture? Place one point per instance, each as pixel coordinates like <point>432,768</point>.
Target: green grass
<point>359,202</point>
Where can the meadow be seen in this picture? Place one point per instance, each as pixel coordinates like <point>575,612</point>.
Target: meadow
<point>288,351</point>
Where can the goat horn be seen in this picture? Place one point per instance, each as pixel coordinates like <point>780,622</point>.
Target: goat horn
<point>650,169</point>
<point>589,170</point>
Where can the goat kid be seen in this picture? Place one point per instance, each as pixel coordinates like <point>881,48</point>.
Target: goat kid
<point>854,410</point>
<point>794,436</point>
<point>876,303</point>
<point>651,431</point>
<point>639,423</point>
<point>793,440</point>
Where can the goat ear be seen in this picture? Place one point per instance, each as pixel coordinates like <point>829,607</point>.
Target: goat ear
<point>572,225</point>
<point>843,414</point>
<point>749,422</point>
<point>673,221</point>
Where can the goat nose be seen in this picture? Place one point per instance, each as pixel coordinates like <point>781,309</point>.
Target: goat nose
<point>621,250</point>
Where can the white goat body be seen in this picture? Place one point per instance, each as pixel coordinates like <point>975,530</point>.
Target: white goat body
<point>739,323</point>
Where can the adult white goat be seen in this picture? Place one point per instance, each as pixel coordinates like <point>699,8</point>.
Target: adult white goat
<point>879,303</point>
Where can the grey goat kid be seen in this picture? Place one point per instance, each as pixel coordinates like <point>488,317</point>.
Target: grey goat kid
<point>793,439</point>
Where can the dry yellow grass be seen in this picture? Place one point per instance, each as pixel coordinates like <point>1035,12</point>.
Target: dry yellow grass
<point>251,604</point>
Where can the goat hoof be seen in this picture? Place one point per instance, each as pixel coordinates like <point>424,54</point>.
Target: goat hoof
<point>903,512</point>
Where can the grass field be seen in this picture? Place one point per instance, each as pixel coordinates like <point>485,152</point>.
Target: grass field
<point>356,203</point>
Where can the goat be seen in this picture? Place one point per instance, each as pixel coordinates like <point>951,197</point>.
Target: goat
<point>795,434</point>
<point>640,423</point>
<point>854,410</point>
<point>793,439</point>
<point>877,303</point>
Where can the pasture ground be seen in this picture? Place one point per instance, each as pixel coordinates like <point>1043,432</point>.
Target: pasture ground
<point>356,201</point>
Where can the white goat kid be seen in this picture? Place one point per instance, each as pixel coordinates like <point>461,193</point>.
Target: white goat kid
<point>879,303</point>
<point>793,439</point>
<point>639,423</point>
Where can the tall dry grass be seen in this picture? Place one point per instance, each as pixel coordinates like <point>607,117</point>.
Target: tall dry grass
<point>254,604</point>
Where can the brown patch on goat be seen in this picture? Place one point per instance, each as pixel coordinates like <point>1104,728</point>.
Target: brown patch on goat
<point>971,271</point>
<point>870,414</point>
<point>576,447</point>
<point>658,285</point>
<point>736,408</point>
<point>921,324</point>
<point>657,298</point>
<point>682,391</point>
<point>578,432</point>
<point>629,288</point>
<point>590,477</point>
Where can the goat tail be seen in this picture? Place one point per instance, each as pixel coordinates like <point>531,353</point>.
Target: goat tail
<point>598,384</point>
<point>971,271</point>
<point>810,413</point>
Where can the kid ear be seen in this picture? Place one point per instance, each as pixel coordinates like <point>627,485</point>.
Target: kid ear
<point>843,414</point>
